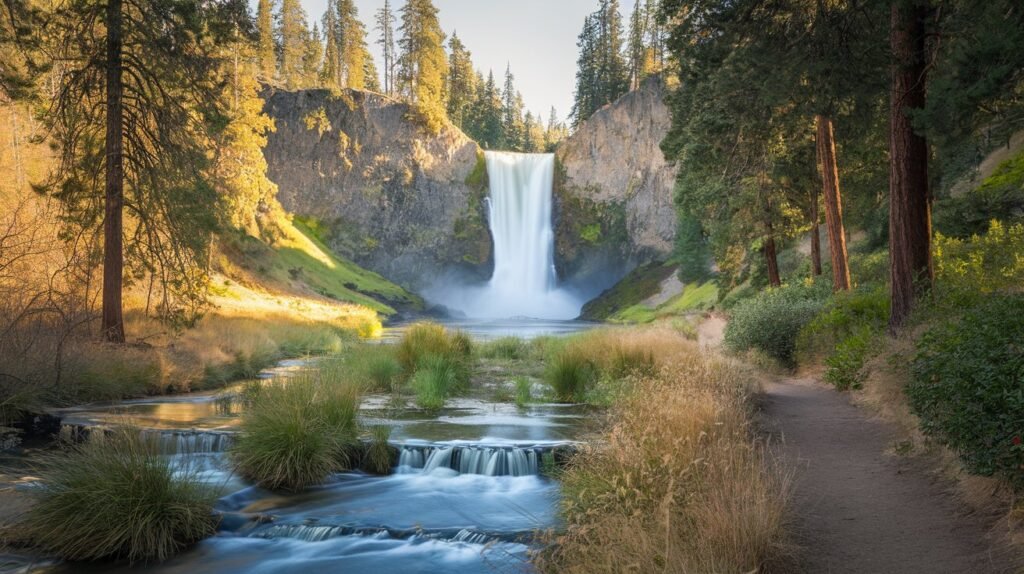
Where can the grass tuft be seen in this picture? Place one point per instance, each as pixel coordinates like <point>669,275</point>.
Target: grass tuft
<point>436,377</point>
<point>378,452</point>
<point>115,496</point>
<point>297,432</point>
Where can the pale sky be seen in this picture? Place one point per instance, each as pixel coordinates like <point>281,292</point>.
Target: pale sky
<point>537,37</point>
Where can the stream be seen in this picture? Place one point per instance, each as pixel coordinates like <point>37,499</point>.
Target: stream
<point>468,494</point>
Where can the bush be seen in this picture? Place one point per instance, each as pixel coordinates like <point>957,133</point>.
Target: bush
<point>968,269</point>
<point>845,366</point>
<point>847,330</point>
<point>772,321</point>
<point>115,496</point>
<point>436,377</point>
<point>297,432</point>
<point>966,386</point>
<point>569,373</point>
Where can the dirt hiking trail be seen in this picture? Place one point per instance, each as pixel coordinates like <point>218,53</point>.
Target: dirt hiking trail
<point>859,510</point>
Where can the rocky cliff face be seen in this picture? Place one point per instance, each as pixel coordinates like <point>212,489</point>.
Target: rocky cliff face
<point>391,197</point>
<point>410,206</point>
<point>614,190</point>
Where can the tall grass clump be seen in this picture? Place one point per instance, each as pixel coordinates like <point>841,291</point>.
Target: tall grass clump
<point>524,391</point>
<point>508,348</point>
<point>373,367</point>
<point>681,484</point>
<point>297,432</point>
<point>592,367</point>
<point>435,378</point>
<point>377,459</point>
<point>569,373</point>
<point>115,496</point>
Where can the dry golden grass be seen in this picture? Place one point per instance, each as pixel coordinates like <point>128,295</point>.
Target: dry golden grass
<point>680,483</point>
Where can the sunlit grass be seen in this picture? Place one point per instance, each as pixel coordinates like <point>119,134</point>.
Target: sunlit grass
<point>681,483</point>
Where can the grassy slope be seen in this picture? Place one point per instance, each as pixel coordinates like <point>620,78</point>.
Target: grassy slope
<point>693,298</point>
<point>625,302</point>
<point>298,262</point>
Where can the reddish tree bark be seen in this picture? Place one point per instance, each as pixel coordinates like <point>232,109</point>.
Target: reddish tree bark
<point>829,169</point>
<point>113,239</point>
<point>815,235</point>
<point>909,196</point>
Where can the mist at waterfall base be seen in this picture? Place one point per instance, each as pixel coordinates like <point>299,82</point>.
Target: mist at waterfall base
<point>524,283</point>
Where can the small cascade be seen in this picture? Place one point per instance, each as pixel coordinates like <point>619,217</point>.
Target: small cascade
<point>169,442</point>
<point>485,460</point>
<point>321,532</point>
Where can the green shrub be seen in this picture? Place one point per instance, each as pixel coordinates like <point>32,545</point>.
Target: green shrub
<point>436,377</point>
<point>772,321</point>
<point>297,432</point>
<point>569,373</point>
<point>115,496</point>
<point>845,366</point>
<point>967,269</point>
<point>967,381</point>
<point>509,348</point>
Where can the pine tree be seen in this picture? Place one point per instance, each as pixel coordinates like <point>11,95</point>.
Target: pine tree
<point>313,58</point>
<point>461,82</point>
<point>423,64</point>
<point>265,29</point>
<point>602,74</point>
<point>293,34</point>
<point>386,28</point>
<point>485,126</point>
<point>909,195</point>
<point>128,122</point>
<point>511,112</point>
<point>239,167</point>
<point>330,74</point>
<point>638,53</point>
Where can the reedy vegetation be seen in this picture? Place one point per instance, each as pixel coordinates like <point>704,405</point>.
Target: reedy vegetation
<point>680,483</point>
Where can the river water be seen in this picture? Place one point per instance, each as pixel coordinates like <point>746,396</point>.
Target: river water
<point>468,494</point>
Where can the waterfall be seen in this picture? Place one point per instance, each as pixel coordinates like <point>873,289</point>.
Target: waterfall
<point>524,282</point>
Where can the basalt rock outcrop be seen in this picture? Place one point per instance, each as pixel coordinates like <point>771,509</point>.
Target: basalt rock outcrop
<point>391,197</point>
<point>613,190</point>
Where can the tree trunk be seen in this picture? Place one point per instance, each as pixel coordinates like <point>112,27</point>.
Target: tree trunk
<point>815,235</point>
<point>113,255</point>
<point>771,255</point>
<point>772,261</point>
<point>909,198</point>
<point>826,144</point>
